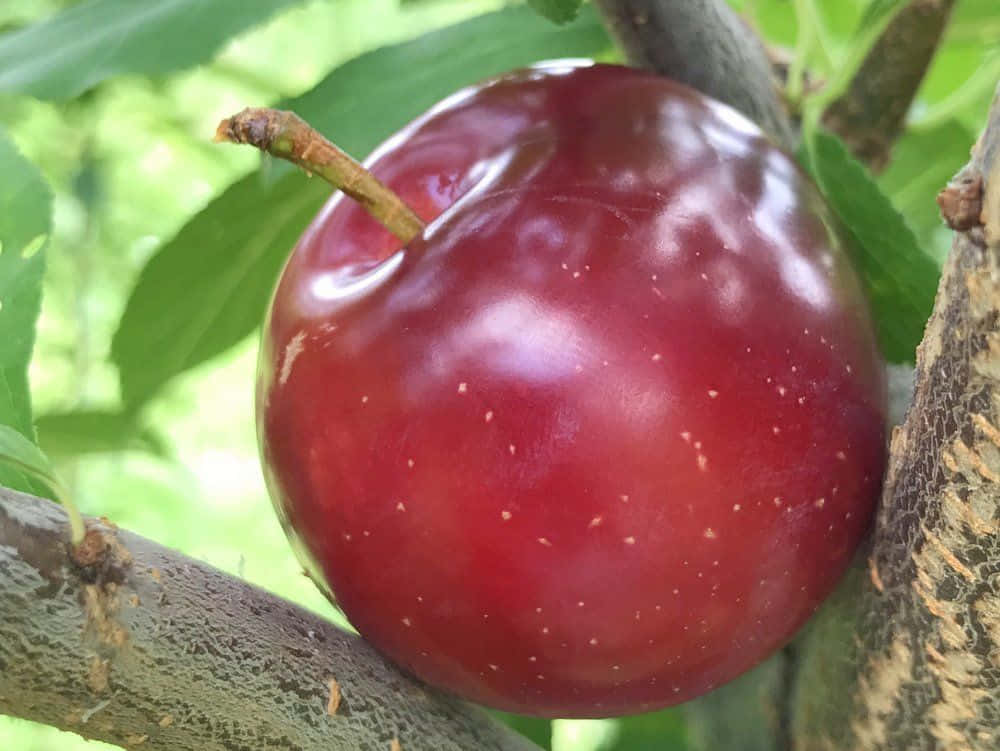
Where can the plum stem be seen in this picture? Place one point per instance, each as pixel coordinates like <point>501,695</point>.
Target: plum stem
<point>284,134</point>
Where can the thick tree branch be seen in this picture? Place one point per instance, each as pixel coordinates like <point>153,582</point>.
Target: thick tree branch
<point>704,44</point>
<point>914,663</point>
<point>143,647</point>
<point>870,115</point>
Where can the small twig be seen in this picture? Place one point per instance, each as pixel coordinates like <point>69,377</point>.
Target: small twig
<point>870,114</point>
<point>286,135</point>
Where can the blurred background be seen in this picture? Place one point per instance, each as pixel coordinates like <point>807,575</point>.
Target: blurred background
<point>130,161</point>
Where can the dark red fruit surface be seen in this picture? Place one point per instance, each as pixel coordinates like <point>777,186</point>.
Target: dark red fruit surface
<point>610,430</point>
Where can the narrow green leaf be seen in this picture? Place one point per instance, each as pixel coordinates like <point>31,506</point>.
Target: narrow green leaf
<point>84,44</point>
<point>67,435</point>
<point>364,101</point>
<point>557,11</point>
<point>209,286</point>
<point>535,729</point>
<point>901,279</point>
<point>18,452</point>
<point>25,222</point>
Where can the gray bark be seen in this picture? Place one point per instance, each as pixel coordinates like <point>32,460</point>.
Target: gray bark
<point>141,646</point>
<point>909,658</point>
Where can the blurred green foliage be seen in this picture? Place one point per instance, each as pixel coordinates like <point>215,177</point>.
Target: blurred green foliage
<point>114,104</point>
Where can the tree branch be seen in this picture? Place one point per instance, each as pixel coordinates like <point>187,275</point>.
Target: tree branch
<point>913,664</point>
<point>141,646</point>
<point>704,44</point>
<point>870,115</point>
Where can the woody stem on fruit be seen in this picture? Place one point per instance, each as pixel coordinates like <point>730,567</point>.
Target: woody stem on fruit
<point>286,135</point>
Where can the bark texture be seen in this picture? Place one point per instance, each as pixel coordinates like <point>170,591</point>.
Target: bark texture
<point>706,45</point>
<point>871,113</point>
<point>139,646</point>
<point>911,657</point>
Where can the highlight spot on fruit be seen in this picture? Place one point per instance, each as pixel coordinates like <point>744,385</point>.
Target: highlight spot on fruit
<point>293,349</point>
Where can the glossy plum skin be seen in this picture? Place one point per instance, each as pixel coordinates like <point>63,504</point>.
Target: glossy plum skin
<point>604,436</point>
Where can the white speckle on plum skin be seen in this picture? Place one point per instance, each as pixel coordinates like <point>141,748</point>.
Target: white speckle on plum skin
<point>580,604</point>
<point>656,357</point>
<point>400,506</point>
<point>629,540</point>
<point>802,400</point>
<point>293,349</point>
<point>686,436</point>
<point>736,507</point>
<point>545,541</point>
<point>364,399</point>
<point>777,500</point>
<point>820,502</point>
<point>576,274</point>
<point>545,629</point>
<point>782,390</point>
<point>709,533</point>
<point>512,449</point>
<point>595,522</point>
<point>505,515</point>
<point>463,387</point>
<point>347,536</point>
<point>775,429</point>
<point>493,667</point>
<point>841,456</point>
<point>712,393</point>
<point>410,463</point>
<point>593,641</point>
<point>488,416</point>
<point>406,622</point>
<point>624,498</point>
<point>702,462</point>
<point>532,658</point>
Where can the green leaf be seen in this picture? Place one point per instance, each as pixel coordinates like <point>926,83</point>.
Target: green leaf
<point>923,161</point>
<point>900,278</point>
<point>557,11</point>
<point>67,435</point>
<point>209,286</point>
<point>658,731</point>
<point>19,453</point>
<point>25,222</point>
<point>84,44</point>
<point>535,729</point>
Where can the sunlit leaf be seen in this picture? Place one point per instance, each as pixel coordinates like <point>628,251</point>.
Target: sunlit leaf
<point>86,43</point>
<point>208,287</point>
<point>25,222</point>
